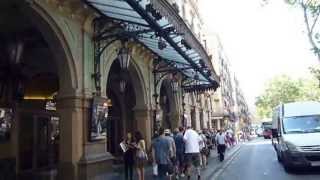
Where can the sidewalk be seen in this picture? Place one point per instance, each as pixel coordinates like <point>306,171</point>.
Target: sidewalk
<point>213,165</point>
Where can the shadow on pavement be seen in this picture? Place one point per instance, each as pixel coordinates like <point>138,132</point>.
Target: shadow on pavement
<point>306,171</point>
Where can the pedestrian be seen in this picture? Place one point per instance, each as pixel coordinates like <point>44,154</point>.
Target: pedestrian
<point>154,164</point>
<point>233,139</point>
<point>128,156</point>
<point>172,150</point>
<point>161,150</point>
<point>221,144</point>
<point>213,139</point>
<point>141,155</point>
<point>203,149</point>
<point>228,140</point>
<point>208,137</point>
<point>192,151</point>
<point>179,142</point>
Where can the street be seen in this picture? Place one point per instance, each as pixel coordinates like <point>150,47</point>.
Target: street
<point>257,161</point>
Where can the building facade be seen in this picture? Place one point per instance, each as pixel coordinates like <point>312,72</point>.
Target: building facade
<point>197,107</point>
<point>242,113</point>
<point>223,114</point>
<point>76,76</point>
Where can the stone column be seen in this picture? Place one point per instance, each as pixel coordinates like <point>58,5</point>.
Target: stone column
<point>219,123</point>
<point>71,111</point>
<point>95,160</point>
<point>197,119</point>
<point>79,158</point>
<point>143,123</point>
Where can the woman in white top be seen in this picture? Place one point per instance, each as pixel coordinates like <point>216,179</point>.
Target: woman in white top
<point>141,155</point>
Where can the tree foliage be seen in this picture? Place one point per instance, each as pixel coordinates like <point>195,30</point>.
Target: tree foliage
<point>283,89</point>
<point>311,13</point>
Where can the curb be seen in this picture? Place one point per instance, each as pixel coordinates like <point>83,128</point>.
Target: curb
<point>217,170</point>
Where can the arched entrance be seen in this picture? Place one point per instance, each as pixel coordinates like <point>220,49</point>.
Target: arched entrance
<point>33,72</point>
<point>170,116</point>
<point>122,110</point>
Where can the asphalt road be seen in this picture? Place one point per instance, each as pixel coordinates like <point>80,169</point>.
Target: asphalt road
<point>257,161</point>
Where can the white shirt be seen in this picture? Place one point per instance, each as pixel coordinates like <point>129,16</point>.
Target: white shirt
<point>203,141</point>
<point>192,140</point>
<point>220,139</point>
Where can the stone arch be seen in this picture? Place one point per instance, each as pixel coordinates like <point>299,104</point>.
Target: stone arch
<point>166,88</point>
<point>135,71</point>
<point>139,85</point>
<point>53,34</point>
<point>134,111</point>
<point>70,131</point>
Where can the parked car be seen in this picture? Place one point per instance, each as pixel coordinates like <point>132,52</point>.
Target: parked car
<point>296,134</point>
<point>259,132</point>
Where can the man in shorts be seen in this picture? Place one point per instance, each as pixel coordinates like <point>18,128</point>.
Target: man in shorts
<point>192,151</point>
<point>161,152</point>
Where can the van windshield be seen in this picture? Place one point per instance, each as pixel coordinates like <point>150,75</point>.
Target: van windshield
<point>301,124</point>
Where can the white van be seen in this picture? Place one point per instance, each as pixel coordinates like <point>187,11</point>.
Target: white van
<point>296,134</point>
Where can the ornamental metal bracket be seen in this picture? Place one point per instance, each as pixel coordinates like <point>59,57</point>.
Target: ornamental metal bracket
<point>107,32</point>
<point>166,67</point>
<point>163,70</point>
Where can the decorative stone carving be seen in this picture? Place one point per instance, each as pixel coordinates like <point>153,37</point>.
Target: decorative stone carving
<point>73,9</point>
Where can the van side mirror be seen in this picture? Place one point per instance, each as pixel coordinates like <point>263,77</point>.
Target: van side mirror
<point>275,133</point>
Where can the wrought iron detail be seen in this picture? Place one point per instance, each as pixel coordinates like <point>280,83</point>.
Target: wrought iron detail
<point>105,35</point>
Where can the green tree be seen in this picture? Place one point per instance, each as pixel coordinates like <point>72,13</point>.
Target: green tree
<point>283,89</point>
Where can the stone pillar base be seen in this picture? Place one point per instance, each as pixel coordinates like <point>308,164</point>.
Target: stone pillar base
<point>95,167</point>
<point>66,171</point>
<point>143,124</point>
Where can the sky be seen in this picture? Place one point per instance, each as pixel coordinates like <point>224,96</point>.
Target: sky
<point>261,41</point>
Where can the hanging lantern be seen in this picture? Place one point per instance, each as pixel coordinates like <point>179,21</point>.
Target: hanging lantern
<point>124,60</point>
<point>124,57</point>
<point>122,85</point>
<point>175,85</point>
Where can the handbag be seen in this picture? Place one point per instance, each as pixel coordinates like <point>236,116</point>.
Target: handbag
<point>155,169</point>
<point>141,155</point>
